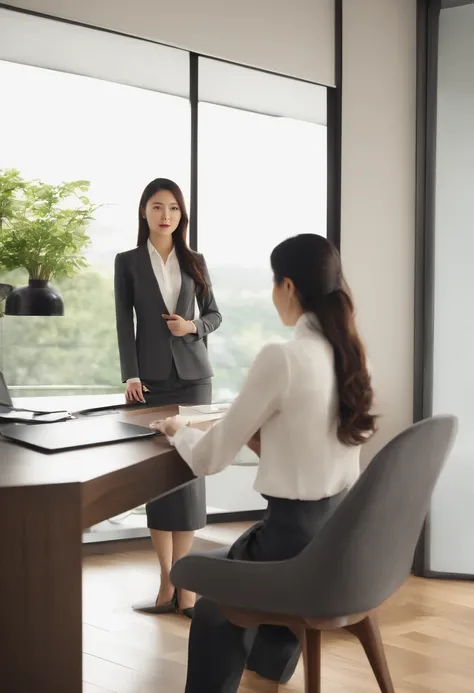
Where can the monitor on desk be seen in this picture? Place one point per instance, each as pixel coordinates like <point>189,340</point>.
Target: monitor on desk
<point>8,411</point>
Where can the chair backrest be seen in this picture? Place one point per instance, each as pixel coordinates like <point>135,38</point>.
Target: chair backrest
<point>365,550</point>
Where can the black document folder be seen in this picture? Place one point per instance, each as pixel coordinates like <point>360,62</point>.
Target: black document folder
<point>78,433</point>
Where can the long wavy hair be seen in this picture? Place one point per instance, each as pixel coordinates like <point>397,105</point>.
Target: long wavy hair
<point>314,267</point>
<point>189,260</point>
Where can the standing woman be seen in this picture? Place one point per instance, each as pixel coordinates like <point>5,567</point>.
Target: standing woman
<point>165,361</point>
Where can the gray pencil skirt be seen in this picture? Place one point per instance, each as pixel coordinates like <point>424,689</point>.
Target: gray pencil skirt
<point>184,510</point>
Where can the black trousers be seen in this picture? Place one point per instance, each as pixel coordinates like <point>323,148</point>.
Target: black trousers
<point>218,650</point>
<point>183,510</point>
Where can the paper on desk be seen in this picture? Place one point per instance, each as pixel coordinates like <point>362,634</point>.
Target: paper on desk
<point>198,418</point>
<point>195,409</point>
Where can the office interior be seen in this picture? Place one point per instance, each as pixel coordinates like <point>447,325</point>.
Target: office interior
<point>358,113</point>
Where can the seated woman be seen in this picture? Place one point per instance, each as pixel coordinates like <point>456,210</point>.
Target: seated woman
<point>307,405</point>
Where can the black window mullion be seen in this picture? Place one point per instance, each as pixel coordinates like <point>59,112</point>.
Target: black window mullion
<point>334,124</point>
<point>194,101</point>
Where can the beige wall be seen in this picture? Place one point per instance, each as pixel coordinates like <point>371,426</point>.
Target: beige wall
<point>294,38</point>
<point>378,193</point>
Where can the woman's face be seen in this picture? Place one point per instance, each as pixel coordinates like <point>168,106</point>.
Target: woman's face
<point>162,213</point>
<point>286,302</point>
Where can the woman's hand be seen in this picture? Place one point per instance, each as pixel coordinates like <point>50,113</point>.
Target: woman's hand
<point>134,392</point>
<point>178,326</point>
<point>168,426</point>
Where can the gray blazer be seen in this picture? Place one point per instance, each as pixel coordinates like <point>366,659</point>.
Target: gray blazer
<point>148,353</point>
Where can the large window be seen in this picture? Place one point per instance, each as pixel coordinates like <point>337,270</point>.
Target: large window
<point>262,178</point>
<point>450,539</point>
<point>60,126</point>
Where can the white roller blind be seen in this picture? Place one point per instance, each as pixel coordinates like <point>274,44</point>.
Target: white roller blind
<point>60,46</point>
<point>240,87</point>
<point>291,37</point>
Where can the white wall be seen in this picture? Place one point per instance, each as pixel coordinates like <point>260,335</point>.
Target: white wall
<point>378,194</point>
<point>452,509</point>
<point>294,38</point>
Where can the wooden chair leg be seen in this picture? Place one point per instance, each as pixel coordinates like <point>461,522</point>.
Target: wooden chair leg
<point>311,647</point>
<point>368,633</point>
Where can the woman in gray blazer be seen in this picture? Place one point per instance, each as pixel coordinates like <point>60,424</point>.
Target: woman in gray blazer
<point>164,360</point>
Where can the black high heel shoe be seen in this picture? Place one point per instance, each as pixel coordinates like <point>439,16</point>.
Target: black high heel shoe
<point>189,612</point>
<point>154,608</point>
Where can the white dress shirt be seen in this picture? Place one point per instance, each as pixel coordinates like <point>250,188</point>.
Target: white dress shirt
<point>290,395</point>
<point>168,276</point>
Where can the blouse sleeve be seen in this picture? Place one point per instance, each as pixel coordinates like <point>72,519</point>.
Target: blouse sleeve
<point>263,391</point>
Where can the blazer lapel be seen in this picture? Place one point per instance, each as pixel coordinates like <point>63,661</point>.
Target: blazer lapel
<point>186,293</point>
<point>148,276</point>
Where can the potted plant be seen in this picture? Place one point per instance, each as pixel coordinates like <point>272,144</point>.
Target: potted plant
<point>43,229</point>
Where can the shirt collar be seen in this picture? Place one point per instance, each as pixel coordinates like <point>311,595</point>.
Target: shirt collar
<point>306,325</point>
<point>153,251</point>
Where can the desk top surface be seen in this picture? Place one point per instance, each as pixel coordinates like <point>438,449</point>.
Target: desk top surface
<point>22,466</point>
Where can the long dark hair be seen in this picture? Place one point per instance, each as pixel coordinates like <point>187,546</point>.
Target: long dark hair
<point>188,260</point>
<point>314,267</point>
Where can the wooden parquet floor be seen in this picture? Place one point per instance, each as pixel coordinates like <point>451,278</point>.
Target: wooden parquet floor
<point>427,628</point>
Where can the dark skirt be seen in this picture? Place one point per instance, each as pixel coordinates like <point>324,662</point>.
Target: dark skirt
<point>286,529</point>
<point>218,650</point>
<point>184,510</point>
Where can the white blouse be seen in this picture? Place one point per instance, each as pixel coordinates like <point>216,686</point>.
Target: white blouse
<point>168,276</point>
<point>290,396</point>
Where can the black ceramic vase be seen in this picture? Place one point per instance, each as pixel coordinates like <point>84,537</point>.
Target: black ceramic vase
<point>38,298</point>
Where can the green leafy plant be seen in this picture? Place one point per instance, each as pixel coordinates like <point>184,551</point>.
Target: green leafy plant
<point>11,183</point>
<point>43,227</point>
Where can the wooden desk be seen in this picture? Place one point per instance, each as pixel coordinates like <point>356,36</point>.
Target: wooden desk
<point>46,501</point>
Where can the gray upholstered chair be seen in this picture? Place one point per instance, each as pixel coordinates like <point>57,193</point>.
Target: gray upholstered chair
<point>361,556</point>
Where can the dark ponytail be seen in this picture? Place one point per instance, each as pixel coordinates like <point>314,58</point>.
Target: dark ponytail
<point>189,261</point>
<point>314,267</point>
